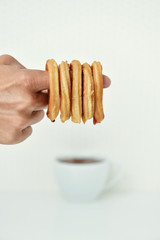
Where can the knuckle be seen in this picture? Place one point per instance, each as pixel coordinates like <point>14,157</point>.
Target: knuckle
<point>12,138</point>
<point>21,121</point>
<point>38,115</point>
<point>6,58</point>
<point>29,101</point>
<point>25,103</point>
<point>25,79</point>
<point>27,132</point>
<point>30,131</point>
<point>41,114</point>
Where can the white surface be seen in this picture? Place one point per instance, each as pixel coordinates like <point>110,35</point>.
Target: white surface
<point>124,36</point>
<point>122,216</point>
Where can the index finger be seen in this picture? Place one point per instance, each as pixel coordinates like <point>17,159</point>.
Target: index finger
<point>106,81</point>
<point>9,60</point>
<point>37,80</point>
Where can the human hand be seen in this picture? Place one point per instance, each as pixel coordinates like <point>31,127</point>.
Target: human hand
<point>21,99</point>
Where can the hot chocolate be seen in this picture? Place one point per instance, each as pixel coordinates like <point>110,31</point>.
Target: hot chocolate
<point>80,160</point>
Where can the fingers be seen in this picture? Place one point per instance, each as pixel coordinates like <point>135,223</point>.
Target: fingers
<point>27,119</point>
<point>9,60</point>
<point>36,80</point>
<point>41,101</point>
<point>20,136</point>
<point>36,117</point>
<point>25,133</point>
<point>23,129</point>
<point>106,81</point>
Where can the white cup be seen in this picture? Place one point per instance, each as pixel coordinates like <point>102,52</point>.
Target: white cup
<point>84,182</point>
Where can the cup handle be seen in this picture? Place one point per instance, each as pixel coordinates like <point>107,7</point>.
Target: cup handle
<point>117,176</point>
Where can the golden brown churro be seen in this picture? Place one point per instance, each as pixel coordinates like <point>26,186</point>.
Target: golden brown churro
<point>88,93</point>
<point>75,90</point>
<point>54,96</point>
<point>98,88</point>
<point>65,86</point>
<point>76,110</point>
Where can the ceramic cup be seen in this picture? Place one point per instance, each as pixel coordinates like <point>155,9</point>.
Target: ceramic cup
<point>83,179</point>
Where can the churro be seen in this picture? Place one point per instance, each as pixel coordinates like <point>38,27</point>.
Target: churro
<point>54,95</point>
<point>65,91</point>
<point>76,109</point>
<point>88,93</point>
<point>98,89</point>
<point>75,90</point>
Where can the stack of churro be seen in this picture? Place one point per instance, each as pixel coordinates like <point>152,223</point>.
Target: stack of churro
<point>76,90</point>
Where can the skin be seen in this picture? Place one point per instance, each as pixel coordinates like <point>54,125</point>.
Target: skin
<point>22,99</point>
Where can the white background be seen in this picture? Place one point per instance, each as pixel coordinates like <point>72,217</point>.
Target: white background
<point>124,36</point>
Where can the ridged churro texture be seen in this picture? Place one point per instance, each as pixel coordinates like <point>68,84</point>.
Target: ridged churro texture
<point>98,91</point>
<point>88,93</point>
<point>76,90</point>
<point>76,111</point>
<point>54,95</point>
<point>65,86</point>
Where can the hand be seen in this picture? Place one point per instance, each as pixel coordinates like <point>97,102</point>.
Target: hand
<point>106,81</point>
<point>22,99</point>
